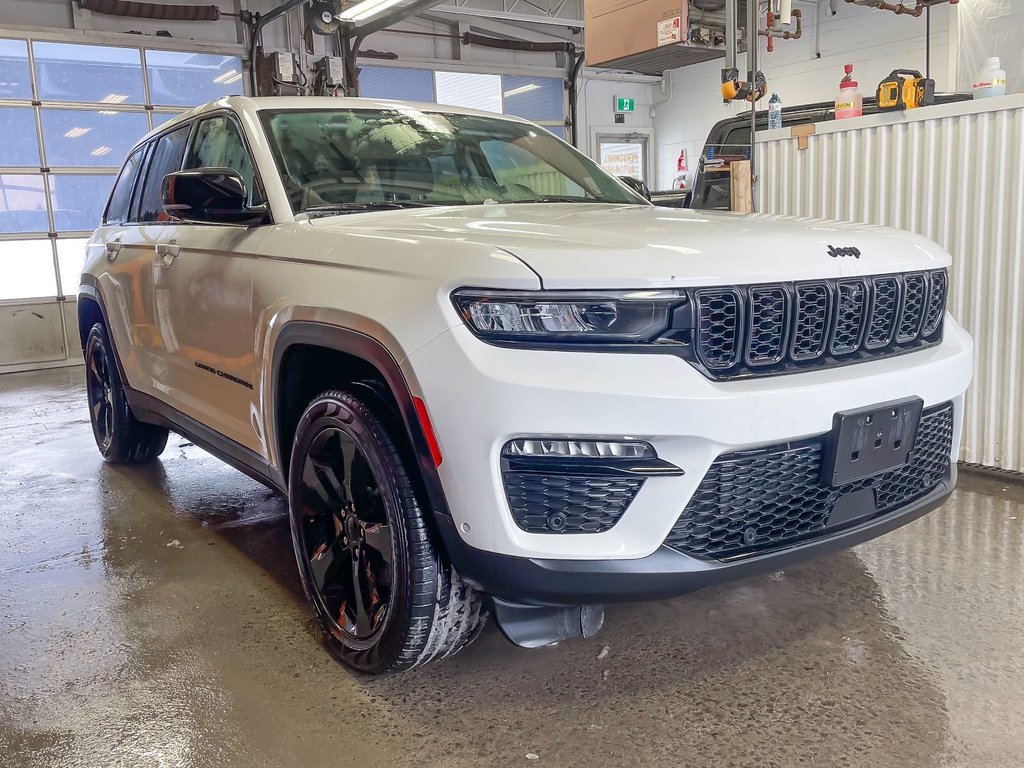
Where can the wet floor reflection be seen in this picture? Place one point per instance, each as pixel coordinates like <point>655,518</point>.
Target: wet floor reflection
<point>154,617</point>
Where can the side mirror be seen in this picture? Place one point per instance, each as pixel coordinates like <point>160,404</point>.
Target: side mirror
<point>210,195</point>
<point>637,186</point>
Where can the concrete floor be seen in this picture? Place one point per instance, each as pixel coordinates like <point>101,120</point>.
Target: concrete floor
<point>153,617</point>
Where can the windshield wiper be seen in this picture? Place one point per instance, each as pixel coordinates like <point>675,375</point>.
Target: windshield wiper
<point>557,199</point>
<point>315,211</point>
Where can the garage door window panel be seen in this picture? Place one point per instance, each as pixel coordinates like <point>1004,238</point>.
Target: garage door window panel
<point>71,258</point>
<point>184,79</point>
<point>78,200</point>
<point>396,83</point>
<point>93,73</point>
<point>159,118</point>
<point>19,144</point>
<point>15,75</point>
<point>218,143</point>
<point>23,204</point>
<point>74,138</point>
<point>167,158</point>
<point>27,267</point>
<point>534,98</point>
<point>469,90</point>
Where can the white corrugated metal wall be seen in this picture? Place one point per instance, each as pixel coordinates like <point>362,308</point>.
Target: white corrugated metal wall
<point>954,174</point>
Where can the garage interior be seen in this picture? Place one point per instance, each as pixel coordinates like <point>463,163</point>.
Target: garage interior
<point>153,617</point>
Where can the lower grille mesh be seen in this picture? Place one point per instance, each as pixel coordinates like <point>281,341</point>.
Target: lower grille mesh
<point>546,503</point>
<point>756,501</point>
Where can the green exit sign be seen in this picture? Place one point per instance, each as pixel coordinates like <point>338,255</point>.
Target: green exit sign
<point>624,105</point>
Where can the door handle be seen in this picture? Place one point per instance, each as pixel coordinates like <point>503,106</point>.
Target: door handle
<point>113,248</point>
<point>168,252</point>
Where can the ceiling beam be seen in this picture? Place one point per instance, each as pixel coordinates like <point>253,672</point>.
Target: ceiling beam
<point>504,29</point>
<point>520,18</point>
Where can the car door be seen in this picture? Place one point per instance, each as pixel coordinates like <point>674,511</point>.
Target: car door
<point>205,302</point>
<point>126,278</point>
<point>136,264</point>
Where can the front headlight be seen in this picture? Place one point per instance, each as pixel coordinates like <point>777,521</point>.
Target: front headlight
<point>543,317</point>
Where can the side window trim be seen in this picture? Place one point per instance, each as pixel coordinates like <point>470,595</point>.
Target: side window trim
<point>257,180</point>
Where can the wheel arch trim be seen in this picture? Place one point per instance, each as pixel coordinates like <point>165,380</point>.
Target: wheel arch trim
<point>368,349</point>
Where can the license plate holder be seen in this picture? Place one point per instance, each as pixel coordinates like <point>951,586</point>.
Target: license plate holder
<point>869,441</point>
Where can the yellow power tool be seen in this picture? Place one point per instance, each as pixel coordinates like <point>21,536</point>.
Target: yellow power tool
<point>905,89</point>
<point>734,89</point>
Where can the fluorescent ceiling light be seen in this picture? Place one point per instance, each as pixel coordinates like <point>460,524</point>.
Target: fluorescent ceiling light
<point>114,98</point>
<point>231,76</point>
<point>74,133</point>
<point>100,151</point>
<point>522,89</point>
<point>366,9</point>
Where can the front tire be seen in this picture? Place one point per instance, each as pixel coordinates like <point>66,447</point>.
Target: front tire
<point>121,438</point>
<point>384,597</point>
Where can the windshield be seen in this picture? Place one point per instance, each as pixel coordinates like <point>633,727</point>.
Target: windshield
<point>363,159</point>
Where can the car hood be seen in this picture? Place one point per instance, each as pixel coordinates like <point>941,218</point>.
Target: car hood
<point>575,245</point>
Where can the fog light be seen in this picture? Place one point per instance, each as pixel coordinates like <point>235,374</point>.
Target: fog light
<point>597,449</point>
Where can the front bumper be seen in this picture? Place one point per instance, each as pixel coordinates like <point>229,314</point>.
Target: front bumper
<point>663,574</point>
<point>479,397</point>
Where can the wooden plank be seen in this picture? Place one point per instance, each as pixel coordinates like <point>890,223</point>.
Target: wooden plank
<point>740,186</point>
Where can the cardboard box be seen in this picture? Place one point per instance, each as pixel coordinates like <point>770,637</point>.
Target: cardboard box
<point>619,28</point>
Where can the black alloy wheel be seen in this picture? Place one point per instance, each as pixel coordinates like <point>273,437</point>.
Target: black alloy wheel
<point>101,396</point>
<point>346,538</point>
<point>121,438</point>
<point>386,599</point>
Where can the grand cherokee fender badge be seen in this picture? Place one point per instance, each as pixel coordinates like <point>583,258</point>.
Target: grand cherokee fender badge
<point>222,374</point>
<point>839,253</point>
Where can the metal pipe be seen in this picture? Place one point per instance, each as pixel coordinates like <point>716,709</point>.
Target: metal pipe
<point>257,31</point>
<point>753,42</point>
<point>902,10</point>
<point>785,35</point>
<point>928,43</point>
<point>731,29</point>
<point>574,107</point>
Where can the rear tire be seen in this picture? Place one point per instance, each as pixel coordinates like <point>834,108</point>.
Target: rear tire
<point>121,438</point>
<point>386,599</point>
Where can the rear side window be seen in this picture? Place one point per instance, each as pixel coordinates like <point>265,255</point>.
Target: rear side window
<point>219,144</point>
<point>121,197</point>
<point>166,158</point>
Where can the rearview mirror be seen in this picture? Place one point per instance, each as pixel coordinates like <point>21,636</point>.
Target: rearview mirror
<point>637,186</point>
<point>211,195</point>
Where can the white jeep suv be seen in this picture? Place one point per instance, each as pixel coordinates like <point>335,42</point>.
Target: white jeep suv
<point>492,379</point>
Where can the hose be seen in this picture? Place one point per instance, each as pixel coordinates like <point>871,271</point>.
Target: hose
<point>471,38</point>
<point>152,10</point>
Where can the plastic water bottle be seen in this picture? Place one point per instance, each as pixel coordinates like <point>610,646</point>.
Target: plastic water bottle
<point>774,112</point>
<point>991,80</point>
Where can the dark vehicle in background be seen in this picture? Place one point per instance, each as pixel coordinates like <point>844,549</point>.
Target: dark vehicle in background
<point>729,141</point>
<point>669,198</point>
